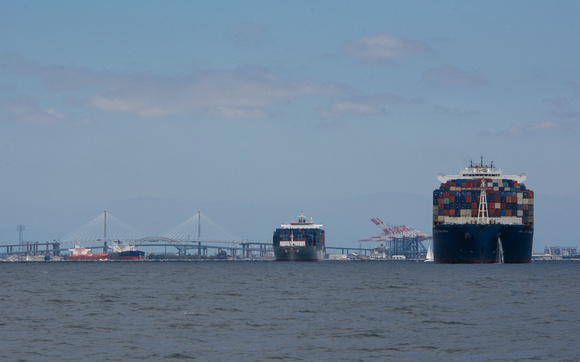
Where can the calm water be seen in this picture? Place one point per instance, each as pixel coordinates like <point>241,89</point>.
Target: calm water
<point>289,311</point>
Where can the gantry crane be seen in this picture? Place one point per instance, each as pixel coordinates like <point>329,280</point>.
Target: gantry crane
<point>401,240</point>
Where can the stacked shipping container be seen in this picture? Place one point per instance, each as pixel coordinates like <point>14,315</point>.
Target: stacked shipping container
<point>505,198</point>
<point>311,237</point>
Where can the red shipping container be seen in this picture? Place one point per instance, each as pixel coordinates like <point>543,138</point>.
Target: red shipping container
<point>451,199</point>
<point>452,212</point>
<point>503,206</point>
<point>467,198</point>
<point>525,206</point>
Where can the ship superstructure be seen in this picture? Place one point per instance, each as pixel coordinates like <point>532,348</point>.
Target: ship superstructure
<point>299,241</point>
<point>482,216</point>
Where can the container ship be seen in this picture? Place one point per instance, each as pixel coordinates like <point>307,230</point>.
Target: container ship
<point>483,216</point>
<point>123,252</point>
<point>299,241</point>
<point>85,254</point>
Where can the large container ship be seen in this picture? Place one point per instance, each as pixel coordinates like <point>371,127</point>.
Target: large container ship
<point>483,216</point>
<point>85,254</point>
<point>299,241</point>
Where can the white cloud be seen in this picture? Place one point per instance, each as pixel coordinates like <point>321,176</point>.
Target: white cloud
<point>448,76</point>
<point>383,48</point>
<point>232,94</point>
<point>539,127</point>
<point>26,111</point>
<point>363,105</point>
<point>251,92</point>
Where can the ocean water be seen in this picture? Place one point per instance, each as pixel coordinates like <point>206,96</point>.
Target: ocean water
<point>289,311</point>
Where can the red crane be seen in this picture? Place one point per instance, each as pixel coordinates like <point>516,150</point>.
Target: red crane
<point>396,232</point>
<point>401,239</point>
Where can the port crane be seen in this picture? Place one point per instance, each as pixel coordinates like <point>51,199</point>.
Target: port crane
<point>401,240</point>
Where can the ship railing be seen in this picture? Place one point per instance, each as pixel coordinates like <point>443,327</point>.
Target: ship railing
<point>504,220</point>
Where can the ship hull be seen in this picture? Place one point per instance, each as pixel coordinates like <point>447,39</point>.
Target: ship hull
<point>127,255</point>
<point>472,243</point>
<point>92,257</point>
<point>298,253</point>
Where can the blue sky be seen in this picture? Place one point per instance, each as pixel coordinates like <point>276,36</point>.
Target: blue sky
<point>281,103</point>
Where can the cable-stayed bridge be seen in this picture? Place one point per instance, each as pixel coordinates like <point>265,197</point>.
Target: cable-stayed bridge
<point>106,227</point>
<point>190,234</point>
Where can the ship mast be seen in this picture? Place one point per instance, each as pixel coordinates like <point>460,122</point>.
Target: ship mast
<point>482,214</point>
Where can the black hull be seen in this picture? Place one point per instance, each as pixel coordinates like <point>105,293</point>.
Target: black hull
<point>471,243</point>
<point>298,253</point>
<point>128,255</point>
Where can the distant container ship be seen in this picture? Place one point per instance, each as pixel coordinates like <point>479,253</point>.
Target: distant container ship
<point>123,252</point>
<point>85,254</point>
<point>483,216</point>
<point>299,241</point>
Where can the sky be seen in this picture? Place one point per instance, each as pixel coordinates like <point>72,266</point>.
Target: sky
<point>253,110</point>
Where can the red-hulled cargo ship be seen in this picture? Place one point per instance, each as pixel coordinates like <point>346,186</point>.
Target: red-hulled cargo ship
<point>483,216</point>
<point>85,254</point>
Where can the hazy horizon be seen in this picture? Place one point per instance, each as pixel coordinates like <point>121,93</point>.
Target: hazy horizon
<point>253,111</point>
